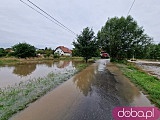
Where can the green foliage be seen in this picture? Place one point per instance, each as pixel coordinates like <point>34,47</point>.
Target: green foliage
<point>154,52</point>
<point>24,50</point>
<point>47,52</point>
<point>56,55</point>
<point>40,51</point>
<point>123,38</point>
<point>123,61</point>
<point>2,52</point>
<point>81,66</point>
<point>86,44</point>
<point>75,52</point>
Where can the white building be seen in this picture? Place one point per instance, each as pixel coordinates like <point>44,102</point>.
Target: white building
<point>61,50</point>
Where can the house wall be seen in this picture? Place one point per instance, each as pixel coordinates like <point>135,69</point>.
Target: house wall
<point>62,53</point>
<point>59,51</point>
<point>67,54</point>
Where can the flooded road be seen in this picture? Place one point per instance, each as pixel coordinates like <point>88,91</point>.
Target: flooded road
<point>14,74</point>
<point>89,95</point>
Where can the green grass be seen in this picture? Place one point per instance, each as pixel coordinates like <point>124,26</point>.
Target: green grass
<point>4,61</point>
<point>82,66</point>
<point>16,98</point>
<point>149,84</point>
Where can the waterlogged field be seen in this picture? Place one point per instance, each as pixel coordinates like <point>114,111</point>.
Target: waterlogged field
<point>15,73</point>
<point>14,98</point>
<point>153,69</point>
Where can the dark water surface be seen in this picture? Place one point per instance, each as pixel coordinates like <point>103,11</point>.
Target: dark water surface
<point>90,95</point>
<point>14,74</point>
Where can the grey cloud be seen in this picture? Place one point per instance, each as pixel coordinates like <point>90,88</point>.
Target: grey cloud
<point>19,23</point>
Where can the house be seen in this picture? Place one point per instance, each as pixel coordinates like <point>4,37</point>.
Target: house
<point>61,50</point>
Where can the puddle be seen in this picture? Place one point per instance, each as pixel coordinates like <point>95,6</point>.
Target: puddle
<point>91,94</point>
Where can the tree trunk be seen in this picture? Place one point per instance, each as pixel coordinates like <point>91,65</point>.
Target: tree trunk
<point>86,59</point>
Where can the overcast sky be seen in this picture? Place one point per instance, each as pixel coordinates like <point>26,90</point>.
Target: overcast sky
<point>19,23</point>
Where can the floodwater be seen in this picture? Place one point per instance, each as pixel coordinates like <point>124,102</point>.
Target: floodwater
<point>89,95</point>
<point>152,68</point>
<point>14,74</point>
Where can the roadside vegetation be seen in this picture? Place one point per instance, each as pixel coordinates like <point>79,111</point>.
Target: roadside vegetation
<point>150,85</point>
<point>121,37</point>
<point>16,98</point>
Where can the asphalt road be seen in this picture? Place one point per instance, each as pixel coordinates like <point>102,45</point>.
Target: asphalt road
<point>90,95</point>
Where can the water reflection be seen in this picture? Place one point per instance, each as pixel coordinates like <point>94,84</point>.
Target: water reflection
<point>23,69</point>
<point>85,79</point>
<point>62,64</point>
<point>12,74</point>
<point>48,63</point>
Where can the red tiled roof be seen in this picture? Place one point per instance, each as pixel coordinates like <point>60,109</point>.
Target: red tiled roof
<point>64,49</point>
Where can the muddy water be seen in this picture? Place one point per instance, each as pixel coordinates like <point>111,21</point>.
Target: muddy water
<point>151,68</point>
<point>89,95</point>
<point>14,74</point>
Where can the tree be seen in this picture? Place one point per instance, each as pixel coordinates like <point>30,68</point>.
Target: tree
<point>48,52</point>
<point>123,38</point>
<point>86,44</point>
<point>2,52</point>
<point>154,51</point>
<point>24,50</point>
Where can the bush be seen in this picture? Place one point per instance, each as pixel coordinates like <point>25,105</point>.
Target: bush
<point>124,61</point>
<point>56,55</point>
<point>2,52</point>
<point>24,50</point>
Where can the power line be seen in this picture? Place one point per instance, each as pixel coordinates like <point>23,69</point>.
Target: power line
<point>131,7</point>
<point>40,13</point>
<point>52,18</point>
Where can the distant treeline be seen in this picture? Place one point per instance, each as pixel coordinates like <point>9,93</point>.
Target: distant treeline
<point>24,50</point>
<point>121,37</point>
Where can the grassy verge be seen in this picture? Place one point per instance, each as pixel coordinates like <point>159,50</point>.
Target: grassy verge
<point>16,98</point>
<point>76,59</point>
<point>8,61</point>
<point>13,60</point>
<point>149,84</point>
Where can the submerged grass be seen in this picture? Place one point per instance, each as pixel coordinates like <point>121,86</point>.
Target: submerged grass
<point>149,84</point>
<point>16,98</point>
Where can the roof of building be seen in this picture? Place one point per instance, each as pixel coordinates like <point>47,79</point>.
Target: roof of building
<point>64,49</point>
